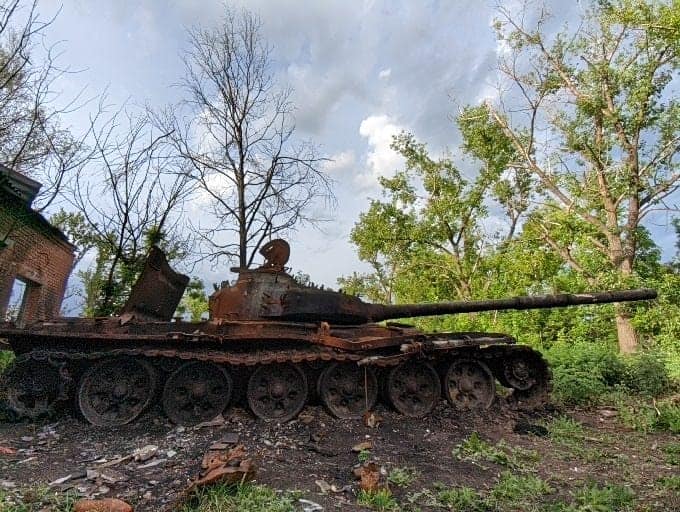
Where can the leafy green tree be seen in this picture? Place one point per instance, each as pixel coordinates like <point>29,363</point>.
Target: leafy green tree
<point>591,116</point>
<point>194,303</point>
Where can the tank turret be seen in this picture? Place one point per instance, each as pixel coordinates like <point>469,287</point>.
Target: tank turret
<point>269,292</point>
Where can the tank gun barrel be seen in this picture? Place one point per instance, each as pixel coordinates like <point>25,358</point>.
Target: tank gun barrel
<point>385,312</point>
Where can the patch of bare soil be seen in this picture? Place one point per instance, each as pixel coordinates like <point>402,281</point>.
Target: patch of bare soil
<point>75,456</point>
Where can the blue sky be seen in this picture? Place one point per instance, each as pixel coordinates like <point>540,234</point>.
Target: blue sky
<point>361,71</point>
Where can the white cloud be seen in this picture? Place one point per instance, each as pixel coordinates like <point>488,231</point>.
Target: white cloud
<point>385,73</point>
<point>381,159</point>
<point>340,163</point>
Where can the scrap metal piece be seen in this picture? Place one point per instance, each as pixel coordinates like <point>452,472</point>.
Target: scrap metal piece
<point>157,292</point>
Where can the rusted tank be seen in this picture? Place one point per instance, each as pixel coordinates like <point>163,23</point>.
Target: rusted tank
<point>274,344</point>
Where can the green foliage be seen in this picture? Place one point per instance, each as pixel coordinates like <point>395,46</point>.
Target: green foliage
<point>646,373</point>
<point>565,430</point>
<point>610,498</point>
<point>36,499</point>
<point>194,303</point>
<point>463,499</point>
<point>380,500</point>
<point>672,453</point>
<point>240,498</point>
<point>6,358</point>
<point>646,415</point>
<point>364,456</point>
<point>517,492</point>
<point>477,449</point>
<point>402,477</point>
<point>670,482</point>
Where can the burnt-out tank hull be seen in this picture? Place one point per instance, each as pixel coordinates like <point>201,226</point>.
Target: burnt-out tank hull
<point>115,370</point>
<point>274,344</point>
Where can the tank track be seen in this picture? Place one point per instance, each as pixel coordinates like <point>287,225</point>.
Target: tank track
<point>113,387</point>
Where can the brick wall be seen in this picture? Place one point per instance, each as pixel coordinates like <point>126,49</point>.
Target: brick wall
<point>37,254</point>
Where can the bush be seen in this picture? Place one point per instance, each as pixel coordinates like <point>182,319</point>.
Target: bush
<point>6,357</point>
<point>646,373</point>
<point>572,386</point>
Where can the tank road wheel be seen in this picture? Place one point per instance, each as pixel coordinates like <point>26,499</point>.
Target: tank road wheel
<point>33,387</point>
<point>348,390</point>
<point>527,373</point>
<point>277,392</point>
<point>469,384</point>
<point>115,391</point>
<point>413,388</point>
<point>196,392</point>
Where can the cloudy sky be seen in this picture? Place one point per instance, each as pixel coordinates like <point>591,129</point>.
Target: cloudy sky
<point>361,71</point>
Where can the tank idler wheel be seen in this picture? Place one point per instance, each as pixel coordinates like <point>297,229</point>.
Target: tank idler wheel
<point>33,387</point>
<point>469,384</point>
<point>413,388</point>
<point>528,375</point>
<point>196,392</point>
<point>277,392</point>
<point>115,391</point>
<point>348,390</point>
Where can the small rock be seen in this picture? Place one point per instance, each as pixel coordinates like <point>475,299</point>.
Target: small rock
<point>366,445</point>
<point>147,495</point>
<point>608,413</point>
<point>27,439</point>
<point>309,506</point>
<point>7,484</point>
<point>151,464</point>
<point>324,486</point>
<point>170,453</point>
<point>145,453</point>
<point>306,418</point>
<point>61,480</point>
<point>105,505</point>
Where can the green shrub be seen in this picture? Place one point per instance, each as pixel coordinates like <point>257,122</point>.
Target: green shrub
<point>668,416</point>
<point>6,357</point>
<point>380,500</point>
<point>461,498</point>
<point>572,386</point>
<point>517,492</point>
<point>611,498</point>
<point>646,373</point>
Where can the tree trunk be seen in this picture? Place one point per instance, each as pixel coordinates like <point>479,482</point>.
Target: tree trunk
<point>628,342</point>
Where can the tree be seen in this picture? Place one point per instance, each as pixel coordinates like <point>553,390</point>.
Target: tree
<point>592,116</point>
<point>427,241</point>
<point>237,137</point>
<point>129,198</point>
<point>33,140</point>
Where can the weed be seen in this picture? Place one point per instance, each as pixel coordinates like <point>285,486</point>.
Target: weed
<point>364,456</point>
<point>672,453</point>
<point>670,482</point>
<point>36,499</point>
<point>6,357</point>
<point>565,430</point>
<point>475,448</point>
<point>240,498</point>
<point>646,373</point>
<point>611,498</point>
<point>402,477</point>
<point>461,499</point>
<point>380,500</point>
<point>520,492</point>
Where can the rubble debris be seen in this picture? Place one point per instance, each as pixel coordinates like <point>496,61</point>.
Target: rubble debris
<point>309,506</point>
<point>371,419</point>
<point>230,466</point>
<point>103,505</point>
<point>145,453</point>
<point>6,450</point>
<point>151,464</point>
<point>324,486</point>
<point>369,475</point>
<point>360,447</point>
<point>218,421</point>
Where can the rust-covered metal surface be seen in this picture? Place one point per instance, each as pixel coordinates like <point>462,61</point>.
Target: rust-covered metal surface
<point>273,345</point>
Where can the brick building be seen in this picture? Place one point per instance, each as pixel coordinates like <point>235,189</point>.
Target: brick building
<point>35,257</point>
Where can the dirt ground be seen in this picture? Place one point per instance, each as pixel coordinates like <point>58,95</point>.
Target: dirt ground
<point>316,447</point>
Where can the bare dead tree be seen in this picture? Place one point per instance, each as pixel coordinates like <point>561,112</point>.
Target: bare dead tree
<point>33,139</point>
<point>129,198</point>
<point>235,131</point>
